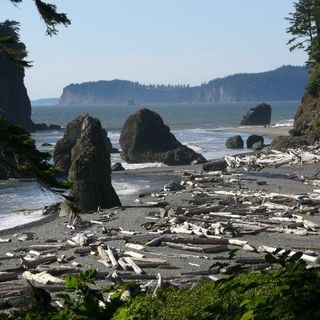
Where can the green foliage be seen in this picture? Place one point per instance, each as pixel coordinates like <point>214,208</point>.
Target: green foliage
<point>286,292</point>
<point>304,27</point>
<point>10,46</point>
<point>19,153</point>
<point>313,85</point>
<point>48,12</point>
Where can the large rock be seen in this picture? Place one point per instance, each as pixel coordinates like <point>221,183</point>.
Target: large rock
<point>235,142</point>
<point>285,142</point>
<point>251,140</point>
<point>260,115</point>
<point>145,138</point>
<point>14,100</point>
<point>90,171</point>
<point>215,165</point>
<point>62,150</point>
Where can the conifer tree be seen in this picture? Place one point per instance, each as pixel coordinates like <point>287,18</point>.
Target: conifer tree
<point>305,29</point>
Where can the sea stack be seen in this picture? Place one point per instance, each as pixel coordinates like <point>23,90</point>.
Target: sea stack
<point>145,138</point>
<point>90,167</point>
<point>260,115</point>
<point>62,150</point>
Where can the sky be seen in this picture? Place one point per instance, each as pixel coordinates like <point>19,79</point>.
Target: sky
<point>153,41</point>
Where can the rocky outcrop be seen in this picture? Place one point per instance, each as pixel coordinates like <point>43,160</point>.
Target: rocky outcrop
<point>235,142</point>
<point>62,150</point>
<point>90,171</point>
<point>14,100</point>
<point>251,140</point>
<point>117,167</point>
<point>285,142</point>
<point>145,138</point>
<point>307,118</point>
<point>215,165</point>
<point>260,115</point>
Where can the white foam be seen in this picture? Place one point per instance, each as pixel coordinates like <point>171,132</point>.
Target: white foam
<point>124,188</point>
<point>20,218</point>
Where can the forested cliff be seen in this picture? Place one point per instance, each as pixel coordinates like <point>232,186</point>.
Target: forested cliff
<point>285,83</point>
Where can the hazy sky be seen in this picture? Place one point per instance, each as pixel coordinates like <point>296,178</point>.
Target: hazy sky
<point>153,41</point>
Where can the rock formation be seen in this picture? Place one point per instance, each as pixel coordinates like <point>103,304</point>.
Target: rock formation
<point>62,150</point>
<point>145,138</point>
<point>254,139</point>
<point>235,142</point>
<point>14,100</point>
<point>285,142</point>
<point>90,171</point>
<point>260,115</point>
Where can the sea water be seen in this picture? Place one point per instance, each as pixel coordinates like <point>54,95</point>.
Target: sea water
<point>196,126</point>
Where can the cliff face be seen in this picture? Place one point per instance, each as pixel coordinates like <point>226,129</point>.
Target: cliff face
<point>285,83</point>
<point>14,100</point>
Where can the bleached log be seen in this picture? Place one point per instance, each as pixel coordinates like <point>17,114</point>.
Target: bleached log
<point>237,242</point>
<point>133,265</point>
<point>158,286</point>
<point>42,277</point>
<point>8,276</point>
<point>248,247</point>
<point>123,264</point>
<point>135,246</point>
<point>180,246</point>
<point>305,257</point>
<point>105,260</point>
<point>57,270</point>
<point>35,253</point>
<point>41,260</point>
<point>112,257</point>
<point>97,222</point>
<point>134,254</point>
<point>198,240</point>
<point>5,240</point>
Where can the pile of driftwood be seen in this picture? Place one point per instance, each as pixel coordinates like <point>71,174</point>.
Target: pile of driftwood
<point>274,158</point>
<point>221,215</point>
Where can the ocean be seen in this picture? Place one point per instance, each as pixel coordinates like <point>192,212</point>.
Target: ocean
<point>196,126</point>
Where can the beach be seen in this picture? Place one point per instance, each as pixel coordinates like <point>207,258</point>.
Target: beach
<point>184,251</point>
<point>268,131</point>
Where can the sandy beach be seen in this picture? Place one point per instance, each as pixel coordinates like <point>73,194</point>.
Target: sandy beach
<point>269,131</point>
<point>185,250</point>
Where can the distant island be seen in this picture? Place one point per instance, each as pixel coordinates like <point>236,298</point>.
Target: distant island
<point>45,102</point>
<point>284,83</point>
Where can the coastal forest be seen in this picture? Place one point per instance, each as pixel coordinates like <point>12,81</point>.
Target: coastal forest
<point>283,84</point>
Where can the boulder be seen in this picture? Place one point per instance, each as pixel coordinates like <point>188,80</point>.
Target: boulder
<point>257,146</point>
<point>46,144</point>
<point>260,115</point>
<point>117,167</point>
<point>145,138</point>
<point>62,150</point>
<point>285,142</point>
<point>90,171</point>
<point>215,165</point>
<point>235,142</point>
<point>253,139</point>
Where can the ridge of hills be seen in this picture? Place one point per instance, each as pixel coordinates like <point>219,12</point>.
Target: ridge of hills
<point>281,84</point>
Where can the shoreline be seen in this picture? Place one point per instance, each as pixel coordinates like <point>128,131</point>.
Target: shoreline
<point>190,229</point>
<point>269,131</point>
